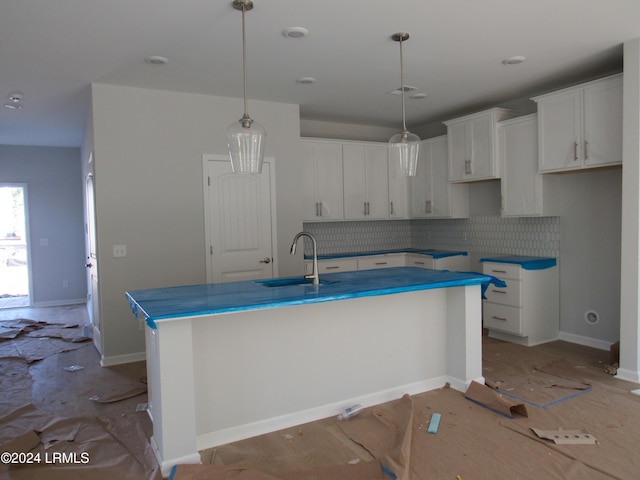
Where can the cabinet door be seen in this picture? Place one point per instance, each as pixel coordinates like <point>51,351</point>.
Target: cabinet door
<point>421,186</point>
<point>432,194</point>
<point>322,181</point>
<point>440,187</point>
<point>458,152</point>
<point>399,190</point>
<point>521,183</point>
<point>377,181</point>
<point>559,131</point>
<point>482,138</point>
<point>366,193</point>
<point>603,123</point>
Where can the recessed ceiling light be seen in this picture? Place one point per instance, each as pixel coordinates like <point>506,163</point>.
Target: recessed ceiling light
<point>15,101</point>
<point>156,60</point>
<point>514,60</point>
<point>306,80</point>
<point>417,96</point>
<point>295,32</point>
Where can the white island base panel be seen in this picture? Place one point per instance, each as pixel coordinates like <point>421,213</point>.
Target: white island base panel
<point>216,379</point>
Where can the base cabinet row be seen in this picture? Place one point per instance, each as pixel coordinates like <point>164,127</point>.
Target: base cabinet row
<point>370,262</point>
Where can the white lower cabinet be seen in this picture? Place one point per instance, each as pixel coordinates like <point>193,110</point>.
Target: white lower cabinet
<point>527,310</point>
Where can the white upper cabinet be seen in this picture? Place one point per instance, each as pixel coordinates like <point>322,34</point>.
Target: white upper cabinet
<point>366,185</point>
<point>521,185</point>
<point>432,196</point>
<point>473,145</point>
<point>399,187</point>
<point>581,127</point>
<point>322,180</point>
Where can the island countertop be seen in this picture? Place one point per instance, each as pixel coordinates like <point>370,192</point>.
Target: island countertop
<point>195,300</point>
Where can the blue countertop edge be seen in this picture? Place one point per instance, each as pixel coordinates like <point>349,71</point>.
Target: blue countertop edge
<point>528,263</point>
<point>209,299</point>
<point>430,252</point>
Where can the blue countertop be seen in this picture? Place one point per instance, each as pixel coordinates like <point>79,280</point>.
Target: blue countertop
<point>528,263</point>
<point>216,298</point>
<point>430,252</point>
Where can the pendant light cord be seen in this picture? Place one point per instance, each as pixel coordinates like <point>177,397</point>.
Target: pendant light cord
<point>245,117</point>
<point>404,123</point>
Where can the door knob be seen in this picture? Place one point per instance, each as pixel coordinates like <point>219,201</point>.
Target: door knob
<point>265,260</point>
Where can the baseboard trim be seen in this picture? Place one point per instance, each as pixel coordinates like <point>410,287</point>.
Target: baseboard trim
<point>122,359</point>
<point>60,303</point>
<point>240,432</point>
<point>586,341</point>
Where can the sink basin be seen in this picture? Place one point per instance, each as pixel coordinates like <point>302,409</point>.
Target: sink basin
<point>288,282</point>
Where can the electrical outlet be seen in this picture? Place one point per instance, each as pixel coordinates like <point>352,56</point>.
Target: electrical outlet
<point>119,250</point>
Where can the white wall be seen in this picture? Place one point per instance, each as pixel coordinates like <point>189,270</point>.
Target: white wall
<point>630,265</point>
<point>589,205</point>
<point>55,189</point>
<point>148,148</point>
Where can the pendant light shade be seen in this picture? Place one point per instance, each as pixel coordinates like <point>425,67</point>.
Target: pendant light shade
<point>404,147</point>
<point>246,137</point>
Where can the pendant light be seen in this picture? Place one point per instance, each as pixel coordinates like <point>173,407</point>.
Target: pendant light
<point>403,147</point>
<point>246,137</point>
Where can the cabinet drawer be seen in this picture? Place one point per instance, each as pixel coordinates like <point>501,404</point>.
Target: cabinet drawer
<point>421,261</point>
<point>383,261</point>
<point>509,295</point>
<point>502,270</point>
<point>328,266</point>
<point>502,317</point>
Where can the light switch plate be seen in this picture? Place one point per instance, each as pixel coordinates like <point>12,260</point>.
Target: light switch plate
<point>119,250</point>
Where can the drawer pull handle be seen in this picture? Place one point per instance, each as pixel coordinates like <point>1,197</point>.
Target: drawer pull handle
<point>418,263</point>
<point>498,271</point>
<point>333,268</point>
<point>499,318</point>
<point>498,291</point>
<point>381,263</point>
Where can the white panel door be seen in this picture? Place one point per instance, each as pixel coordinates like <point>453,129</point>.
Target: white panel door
<point>240,213</point>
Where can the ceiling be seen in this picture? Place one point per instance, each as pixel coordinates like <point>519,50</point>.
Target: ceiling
<point>51,51</point>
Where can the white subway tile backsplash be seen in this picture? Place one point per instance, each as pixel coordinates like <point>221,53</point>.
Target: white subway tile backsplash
<point>539,236</point>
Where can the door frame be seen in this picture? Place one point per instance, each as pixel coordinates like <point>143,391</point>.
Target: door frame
<point>27,233</point>
<point>206,158</point>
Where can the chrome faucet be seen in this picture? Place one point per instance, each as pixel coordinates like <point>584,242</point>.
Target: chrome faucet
<point>314,274</point>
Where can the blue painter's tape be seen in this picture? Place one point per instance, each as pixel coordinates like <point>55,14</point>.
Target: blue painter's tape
<point>528,263</point>
<point>434,423</point>
<point>548,404</point>
<point>489,408</point>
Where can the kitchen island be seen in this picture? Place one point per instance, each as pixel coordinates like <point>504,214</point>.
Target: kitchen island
<point>233,360</point>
